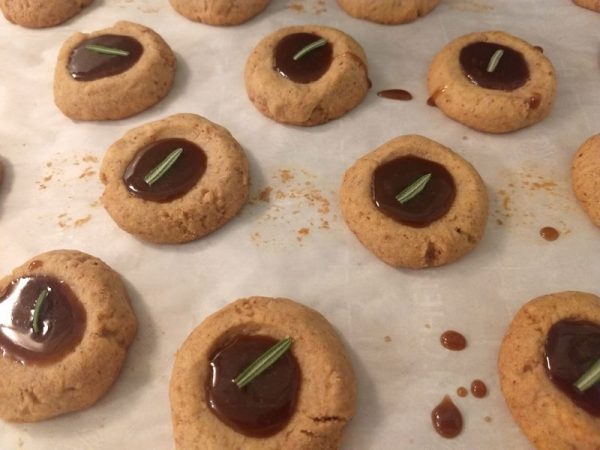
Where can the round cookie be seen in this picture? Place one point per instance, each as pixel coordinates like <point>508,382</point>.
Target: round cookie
<point>41,13</point>
<point>327,392</point>
<point>547,416</point>
<point>398,244</point>
<point>388,12</point>
<point>36,390</point>
<point>116,95</point>
<point>338,87</point>
<point>219,12</point>
<point>594,5</point>
<point>504,107</point>
<point>585,177</point>
<point>213,200</point>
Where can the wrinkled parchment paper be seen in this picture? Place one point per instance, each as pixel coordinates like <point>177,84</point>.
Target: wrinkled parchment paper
<point>290,239</point>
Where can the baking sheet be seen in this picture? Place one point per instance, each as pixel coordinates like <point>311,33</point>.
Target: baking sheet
<point>290,239</point>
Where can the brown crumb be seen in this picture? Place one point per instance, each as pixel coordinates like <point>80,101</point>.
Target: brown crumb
<point>499,222</point>
<point>302,233</point>
<point>427,326</point>
<point>88,172</point>
<point>285,175</point>
<point>83,220</point>
<point>387,339</point>
<point>90,158</point>
<point>265,194</point>
<point>488,419</point>
<point>296,6</point>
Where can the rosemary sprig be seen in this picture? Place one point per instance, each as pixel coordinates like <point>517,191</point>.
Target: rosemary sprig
<point>309,48</point>
<point>414,189</point>
<point>106,50</point>
<point>39,303</point>
<point>263,362</point>
<point>155,174</point>
<point>495,60</point>
<point>589,378</point>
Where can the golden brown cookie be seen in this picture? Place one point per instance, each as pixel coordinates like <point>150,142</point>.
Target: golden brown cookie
<point>585,177</point>
<point>84,328</point>
<point>466,85</point>
<point>326,395</point>
<point>594,5</point>
<point>321,86</point>
<point>219,12</point>
<point>545,413</point>
<point>91,85</point>
<point>437,226</point>
<point>41,13</point>
<point>388,12</point>
<point>207,197</point>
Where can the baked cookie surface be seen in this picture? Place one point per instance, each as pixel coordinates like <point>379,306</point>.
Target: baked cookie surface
<point>517,93</point>
<point>73,377</point>
<point>388,11</point>
<point>107,87</point>
<point>327,393</point>
<point>219,12</point>
<point>41,13</point>
<point>585,177</point>
<point>333,77</point>
<point>202,207</point>
<point>547,416</point>
<point>594,5</point>
<point>446,238</point>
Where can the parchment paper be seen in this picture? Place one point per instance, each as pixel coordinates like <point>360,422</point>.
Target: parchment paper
<point>296,244</point>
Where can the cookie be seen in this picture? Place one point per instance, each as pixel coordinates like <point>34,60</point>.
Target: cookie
<point>442,221</point>
<point>204,188</point>
<point>219,12</point>
<point>543,336</point>
<point>65,327</point>
<point>113,73</point>
<point>41,13</point>
<point>306,398</point>
<point>594,5</point>
<point>585,177</point>
<point>388,12</point>
<point>492,82</point>
<point>316,87</point>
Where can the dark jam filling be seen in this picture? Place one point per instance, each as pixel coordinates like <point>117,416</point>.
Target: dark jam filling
<point>177,181</point>
<point>511,72</point>
<point>62,321</point>
<point>432,203</point>
<point>265,405</point>
<point>308,68</point>
<point>572,347</point>
<point>88,65</point>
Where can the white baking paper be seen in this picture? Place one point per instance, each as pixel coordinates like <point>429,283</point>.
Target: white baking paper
<point>296,245</point>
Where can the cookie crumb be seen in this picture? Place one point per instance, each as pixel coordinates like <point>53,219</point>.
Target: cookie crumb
<point>302,233</point>
<point>83,220</point>
<point>387,339</point>
<point>265,194</point>
<point>487,419</point>
<point>286,175</point>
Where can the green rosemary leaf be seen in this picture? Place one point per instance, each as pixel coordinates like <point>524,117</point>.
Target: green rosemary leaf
<point>589,378</point>
<point>155,174</point>
<point>263,362</point>
<point>107,50</point>
<point>309,48</point>
<point>39,303</point>
<point>414,189</point>
<point>495,60</point>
